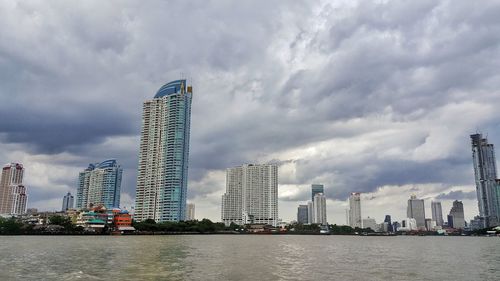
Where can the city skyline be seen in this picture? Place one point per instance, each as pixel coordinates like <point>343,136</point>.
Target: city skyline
<point>358,97</point>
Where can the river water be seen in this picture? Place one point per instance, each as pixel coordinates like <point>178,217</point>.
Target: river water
<point>248,257</point>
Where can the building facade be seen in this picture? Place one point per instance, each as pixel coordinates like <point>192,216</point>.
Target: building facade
<point>370,223</point>
<point>319,205</point>
<point>485,173</point>
<point>163,155</point>
<point>456,216</point>
<point>310,212</point>
<point>13,196</point>
<point>355,210</point>
<point>437,213</point>
<point>416,210</point>
<point>251,195</point>
<point>100,184</point>
<point>315,189</point>
<point>302,214</point>
<point>190,212</point>
<point>68,201</point>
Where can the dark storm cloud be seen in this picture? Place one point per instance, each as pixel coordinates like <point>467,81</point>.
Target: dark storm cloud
<point>269,77</point>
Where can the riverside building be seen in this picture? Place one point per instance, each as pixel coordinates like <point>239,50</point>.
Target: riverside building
<point>456,216</point>
<point>437,213</point>
<point>355,210</point>
<point>163,155</point>
<point>190,212</point>
<point>99,184</point>
<point>13,197</point>
<point>416,210</point>
<point>68,201</point>
<point>315,189</point>
<point>319,204</point>
<point>251,195</point>
<point>302,214</point>
<point>485,173</point>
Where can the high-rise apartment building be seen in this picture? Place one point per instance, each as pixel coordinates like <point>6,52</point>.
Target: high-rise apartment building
<point>310,212</point>
<point>315,189</point>
<point>457,215</point>
<point>437,213</point>
<point>251,195</point>
<point>319,204</point>
<point>355,210</point>
<point>99,184</point>
<point>416,210</point>
<point>163,156</point>
<point>190,212</point>
<point>485,172</point>
<point>68,201</point>
<point>13,197</point>
<point>302,214</point>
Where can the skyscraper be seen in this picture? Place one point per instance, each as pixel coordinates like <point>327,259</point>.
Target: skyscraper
<point>319,204</point>
<point>13,197</point>
<point>457,215</point>
<point>251,195</point>
<point>163,156</point>
<point>485,172</point>
<point>190,212</point>
<point>316,188</point>
<point>68,201</point>
<point>437,213</point>
<point>389,223</point>
<point>310,212</point>
<point>416,210</point>
<point>355,210</point>
<point>99,184</point>
<point>302,214</point>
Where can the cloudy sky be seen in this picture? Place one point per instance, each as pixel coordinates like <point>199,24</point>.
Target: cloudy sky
<point>378,97</point>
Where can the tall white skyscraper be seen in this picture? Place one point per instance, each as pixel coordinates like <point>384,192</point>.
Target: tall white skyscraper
<point>190,212</point>
<point>251,195</point>
<point>416,210</point>
<point>320,209</point>
<point>100,184</point>
<point>437,212</point>
<point>68,201</point>
<point>485,172</point>
<point>355,210</point>
<point>163,156</point>
<point>13,197</point>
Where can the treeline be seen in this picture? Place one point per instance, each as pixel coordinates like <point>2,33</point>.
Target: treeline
<point>57,225</point>
<point>203,226</point>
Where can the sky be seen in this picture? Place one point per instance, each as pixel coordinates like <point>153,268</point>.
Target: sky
<point>377,97</point>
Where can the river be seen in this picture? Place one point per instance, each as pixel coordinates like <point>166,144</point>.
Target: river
<point>248,257</point>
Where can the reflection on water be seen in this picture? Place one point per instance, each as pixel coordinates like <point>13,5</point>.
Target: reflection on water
<point>248,257</point>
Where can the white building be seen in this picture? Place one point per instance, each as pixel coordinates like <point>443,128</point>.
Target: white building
<point>162,174</point>
<point>310,212</point>
<point>416,210</point>
<point>408,224</point>
<point>190,212</point>
<point>370,223</point>
<point>320,209</point>
<point>13,197</point>
<point>251,195</point>
<point>355,210</point>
